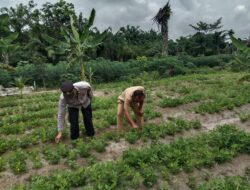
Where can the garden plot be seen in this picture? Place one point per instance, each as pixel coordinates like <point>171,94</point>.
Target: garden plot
<point>180,138</point>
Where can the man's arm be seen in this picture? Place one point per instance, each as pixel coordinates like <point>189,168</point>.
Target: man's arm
<point>61,118</point>
<point>140,112</point>
<point>90,92</point>
<point>127,115</point>
<point>84,86</point>
<point>138,108</point>
<point>140,105</point>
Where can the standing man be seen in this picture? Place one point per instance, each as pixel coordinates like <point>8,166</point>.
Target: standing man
<point>75,96</point>
<point>131,97</point>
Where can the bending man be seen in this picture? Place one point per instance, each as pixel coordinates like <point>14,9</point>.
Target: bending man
<point>75,96</point>
<point>131,97</point>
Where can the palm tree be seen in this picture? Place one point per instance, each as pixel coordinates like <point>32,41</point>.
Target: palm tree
<point>161,18</point>
<point>7,40</point>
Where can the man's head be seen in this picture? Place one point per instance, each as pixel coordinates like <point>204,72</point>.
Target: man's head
<point>67,87</point>
<point>138,96</point>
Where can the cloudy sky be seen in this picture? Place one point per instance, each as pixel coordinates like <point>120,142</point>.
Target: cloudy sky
<point>116,13</point>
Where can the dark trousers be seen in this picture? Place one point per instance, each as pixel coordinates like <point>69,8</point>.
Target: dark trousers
<point>87,119</point>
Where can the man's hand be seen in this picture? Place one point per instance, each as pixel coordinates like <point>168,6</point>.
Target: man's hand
<point>58,137</point>
<point>135,126</point>
<point>88,92</point>
<point>140,113</point>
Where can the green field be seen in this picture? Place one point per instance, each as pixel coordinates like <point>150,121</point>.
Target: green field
<point>196,132</point>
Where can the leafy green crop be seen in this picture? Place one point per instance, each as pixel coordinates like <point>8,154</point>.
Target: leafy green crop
<point>17,162</point>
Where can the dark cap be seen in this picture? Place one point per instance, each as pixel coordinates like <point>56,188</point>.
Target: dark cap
<point>67,86</point>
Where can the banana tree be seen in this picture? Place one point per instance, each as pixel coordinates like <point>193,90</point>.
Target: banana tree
<point>241,57</point>
<point>241,47</point>
<point>80,40</point>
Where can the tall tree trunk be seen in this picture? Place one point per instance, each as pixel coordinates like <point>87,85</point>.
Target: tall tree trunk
<point>6,59</point>
<point>164,32</point>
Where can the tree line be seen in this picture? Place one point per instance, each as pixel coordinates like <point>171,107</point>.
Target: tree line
<point>25,29</point>
<point>41,44</point>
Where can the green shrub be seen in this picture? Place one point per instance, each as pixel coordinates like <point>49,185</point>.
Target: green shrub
<point>63,150</point>
<point>98,145</point>
<point>244,116</point>
<point>229,182</point>
<point>5,78</point>
<point>36,159</point>
<point>17,162</point>
<point>132,136</point>
<point>212,61</point>
<point>150,178</point>
<point>52,156</point>
<point>170,102</point>
<point>3,146</point>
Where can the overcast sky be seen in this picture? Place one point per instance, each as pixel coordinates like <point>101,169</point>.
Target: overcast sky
<point>116,13</point>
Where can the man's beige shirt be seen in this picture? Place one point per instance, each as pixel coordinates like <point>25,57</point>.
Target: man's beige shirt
<point>126,95</point>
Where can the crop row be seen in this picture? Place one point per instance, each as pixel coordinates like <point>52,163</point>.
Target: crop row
<point>17,124</point>
<point>83,148</point>
<point>45,134</point>
<point>44,113</point>
<point>173,102</point>
<point>154,132</point>
<point>26,101</point>
<point>212,106</point>
<point>13,101</point>
<point>27,108</point>
<point>229,182</point>
<point>23,127</point>
<point>221,104</point>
